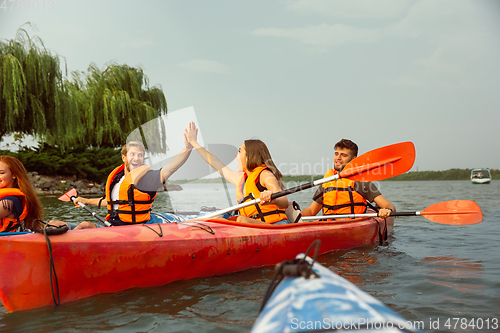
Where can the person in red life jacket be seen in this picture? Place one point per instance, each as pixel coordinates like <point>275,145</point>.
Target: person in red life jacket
<point>257,177</point>
<point>131,188</point>
<point>20,208</point>
<point>344,196</point>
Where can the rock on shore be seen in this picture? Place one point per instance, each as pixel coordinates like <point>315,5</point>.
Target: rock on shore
<point>51,185</point>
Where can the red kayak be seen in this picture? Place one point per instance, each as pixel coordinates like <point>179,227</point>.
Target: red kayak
<point>93,261</point>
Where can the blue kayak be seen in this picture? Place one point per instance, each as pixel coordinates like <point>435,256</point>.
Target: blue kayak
<point>322,301</point>
<point>14,233</point>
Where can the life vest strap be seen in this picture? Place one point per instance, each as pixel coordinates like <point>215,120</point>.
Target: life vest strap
<point>277,211</point>
<point>351,198</point>
<point>132,213</point>
<point>335,207</point>
<point>248,197</point>
<point>125,202</point>
<point>261,216</point>
<point>331,189</point>
<point>12,227</point>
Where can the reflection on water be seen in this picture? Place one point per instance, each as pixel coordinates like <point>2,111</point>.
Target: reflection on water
<point>452,267</point>
<point>425,271</point>
<point>352,264</point>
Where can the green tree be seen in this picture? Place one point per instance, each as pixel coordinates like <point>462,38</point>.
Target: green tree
<point>30,82</point>
<point>110,104</point>
<point>97,108</point>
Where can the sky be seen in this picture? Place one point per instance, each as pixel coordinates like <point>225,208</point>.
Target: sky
<point>301,74</point>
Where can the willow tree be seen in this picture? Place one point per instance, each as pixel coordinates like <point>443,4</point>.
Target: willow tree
<point>30,86</point>
<point>110,104</point>
<point>97,108</point>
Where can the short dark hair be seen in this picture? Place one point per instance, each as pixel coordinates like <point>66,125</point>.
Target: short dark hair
<point>346,143</point>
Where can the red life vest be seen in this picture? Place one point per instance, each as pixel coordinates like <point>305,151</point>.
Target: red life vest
<point>8,224</point>
<point>134,206</point>
<point>249,188</point>
<point>339,197</point>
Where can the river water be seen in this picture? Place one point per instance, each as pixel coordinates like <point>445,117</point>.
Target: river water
<point>439,277</point>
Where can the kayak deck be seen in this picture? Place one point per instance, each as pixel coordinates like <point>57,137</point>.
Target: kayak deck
<point>92,261</point>
<point>325,302</point>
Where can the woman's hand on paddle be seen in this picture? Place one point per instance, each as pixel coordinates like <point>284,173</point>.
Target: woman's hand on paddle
<point>265,197</point>
<point>269,181</point>
<point>190,135</point>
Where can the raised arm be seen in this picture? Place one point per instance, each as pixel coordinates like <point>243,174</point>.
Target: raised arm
<point>190,135</point>
<point>178,160</point>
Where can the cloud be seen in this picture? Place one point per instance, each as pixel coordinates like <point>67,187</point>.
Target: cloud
<point>351,8</point>
<point>139,39</point>
<point>139,43</point>
<point>436,21</point>
<point>205,66</point>
<point>454,37</point>
<point>323,36</point>
<point>459,40</point>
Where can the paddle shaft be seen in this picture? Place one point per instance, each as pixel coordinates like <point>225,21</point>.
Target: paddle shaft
<point>94,214</point>
<point>273,196</point>
<point>352,216</point>
<point>452,212</point>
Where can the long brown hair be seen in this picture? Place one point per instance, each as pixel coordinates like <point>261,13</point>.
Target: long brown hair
<point>22,181</point>
<point>257,155</point>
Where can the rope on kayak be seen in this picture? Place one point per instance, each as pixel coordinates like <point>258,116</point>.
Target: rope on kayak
<point>298,267</point>
<point>381,238</point>
<point>201,226</point>
<point>160,234</point>
<point>46,231</point>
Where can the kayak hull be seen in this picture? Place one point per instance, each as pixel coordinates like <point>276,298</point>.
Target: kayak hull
<point>93,261</point>
<point>325,303</point>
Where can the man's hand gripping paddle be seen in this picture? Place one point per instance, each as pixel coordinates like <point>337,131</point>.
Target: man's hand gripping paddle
<point>71,196</point>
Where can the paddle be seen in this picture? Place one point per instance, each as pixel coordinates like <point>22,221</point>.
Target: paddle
<point>381,163</point>
<point>71,196</point>
<point>454,212</point>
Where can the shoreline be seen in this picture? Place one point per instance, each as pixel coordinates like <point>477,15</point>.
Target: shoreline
<point>58,185</point>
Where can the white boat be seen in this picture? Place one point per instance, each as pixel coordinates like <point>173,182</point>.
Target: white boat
<point>480,176</point>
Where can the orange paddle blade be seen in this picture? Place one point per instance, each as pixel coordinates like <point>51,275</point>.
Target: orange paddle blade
<point>67,196</point>
<point>381,163</point>
<point>454,212</point>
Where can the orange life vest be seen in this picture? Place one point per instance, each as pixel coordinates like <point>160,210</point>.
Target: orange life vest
<point>339,197</point>
<point>8,224</point>
<point>134,206</point>
<point>249,188</point>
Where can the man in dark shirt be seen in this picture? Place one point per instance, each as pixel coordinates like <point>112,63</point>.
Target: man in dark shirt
<point>143,178</point>
<point>345,151</point>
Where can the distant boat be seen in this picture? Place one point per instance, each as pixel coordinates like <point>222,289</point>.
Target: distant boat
<point>480,176</point>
